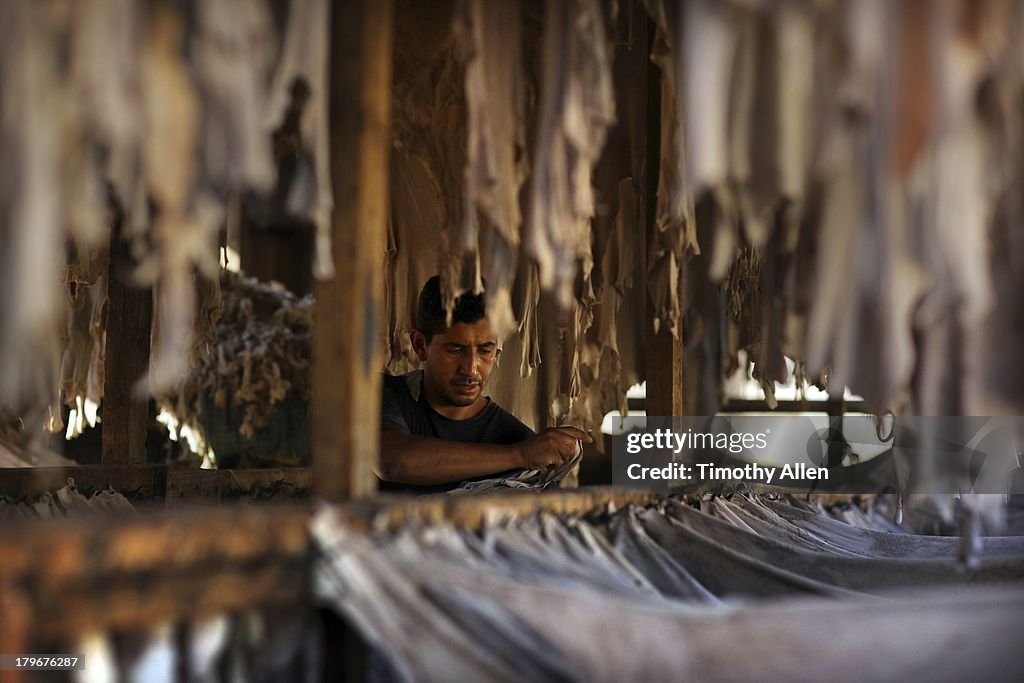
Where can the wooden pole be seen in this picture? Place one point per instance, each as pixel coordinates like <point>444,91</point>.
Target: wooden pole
<point>126,357</point>
<point>349,310</point>
<point>664,358</point>
<point>663,351</point>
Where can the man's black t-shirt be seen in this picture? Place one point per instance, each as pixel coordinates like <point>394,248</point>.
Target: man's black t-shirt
<point>404,407</point>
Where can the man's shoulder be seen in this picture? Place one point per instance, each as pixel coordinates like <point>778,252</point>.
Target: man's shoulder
<point>406,385</point>
<point>401,408</point>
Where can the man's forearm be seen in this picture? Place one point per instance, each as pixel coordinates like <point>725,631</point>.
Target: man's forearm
<point>423,461</point>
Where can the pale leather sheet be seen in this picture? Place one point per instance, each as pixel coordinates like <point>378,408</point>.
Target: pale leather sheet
<point>668,592</point>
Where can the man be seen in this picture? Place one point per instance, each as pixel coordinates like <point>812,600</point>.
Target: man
<point>437,426</point>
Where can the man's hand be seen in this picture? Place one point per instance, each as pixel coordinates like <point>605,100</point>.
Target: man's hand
<point>551,447</point>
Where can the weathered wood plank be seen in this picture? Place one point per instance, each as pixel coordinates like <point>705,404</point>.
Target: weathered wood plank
<point>392,512</point>
<point>126,359</point>
<point>795,406</point>
<point>99,545</point>
<point>134,481</point>
<point>215,486</point>
<point>142,602</point>
<point>152,483</point>
<point>102,573</point>
<point>346,350</point>
<point>663,355</point>
<point>663,350</point>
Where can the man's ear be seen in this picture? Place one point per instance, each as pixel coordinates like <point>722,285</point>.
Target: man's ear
<point>419,344</point>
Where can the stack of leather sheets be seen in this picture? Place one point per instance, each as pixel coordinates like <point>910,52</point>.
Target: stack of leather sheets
<point>745,588</point>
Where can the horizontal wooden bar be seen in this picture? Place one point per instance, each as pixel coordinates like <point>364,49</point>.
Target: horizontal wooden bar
<point>185,486</point>
<point>144,601</point>
<point>155,482</point>
<point>744,405</point>
<point>101,572</point>
<point>134,481</point>
<point>56,550</point>
<point>470,511</point>
<point>725,488</point>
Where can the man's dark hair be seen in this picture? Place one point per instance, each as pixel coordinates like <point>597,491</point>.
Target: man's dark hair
<point>430,313</point>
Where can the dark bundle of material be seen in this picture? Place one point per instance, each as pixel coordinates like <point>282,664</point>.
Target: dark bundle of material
<point>247,397</point>
<point>750,588</point>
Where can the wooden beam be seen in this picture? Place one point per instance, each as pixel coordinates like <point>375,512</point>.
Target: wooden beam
<point>349,310</point>
<point>738,405</point>
<point>126,357</point>
<point>189,485</point>
<point>663,354</point>
<point>136,482</point>
<point>393,512</point>
<point>155,483</point>
<point>663,350</point>
<point>104,573</point>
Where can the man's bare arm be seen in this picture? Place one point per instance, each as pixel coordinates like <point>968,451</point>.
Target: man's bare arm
<point>425,461</point>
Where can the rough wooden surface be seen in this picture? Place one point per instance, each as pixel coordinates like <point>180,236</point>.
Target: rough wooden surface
<point>795,406</point>
<point>470,511</point>
<point>87,574</point>
<point>663,354</point>
<point>134,481</point>
<point>349,319</point>
<point>187,486</point>
<point>154,483</point>
<point>663,350</point>
<point>126,358</point>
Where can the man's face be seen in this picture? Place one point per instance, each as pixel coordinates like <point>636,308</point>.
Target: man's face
<point>457,364</point>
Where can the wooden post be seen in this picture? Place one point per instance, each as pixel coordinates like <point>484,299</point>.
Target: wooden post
<point>349,309</point>
<point>126,357</point>
<point>663,351</point>
<point>837,445</point>
<point>664,359</point>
